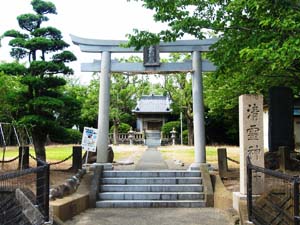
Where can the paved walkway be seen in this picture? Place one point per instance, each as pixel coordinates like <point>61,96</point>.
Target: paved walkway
<point>151,160</point>
<point>152,216</point>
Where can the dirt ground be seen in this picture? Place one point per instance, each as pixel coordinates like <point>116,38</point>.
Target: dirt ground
<point>59,173</point>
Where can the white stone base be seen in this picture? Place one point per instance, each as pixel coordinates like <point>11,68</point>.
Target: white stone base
<point>196,166</point>
<point>106,166</point>
<point>236,198</point>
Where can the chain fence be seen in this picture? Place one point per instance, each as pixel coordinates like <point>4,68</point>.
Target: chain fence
<point>25,196</point>
<point>279,203</point>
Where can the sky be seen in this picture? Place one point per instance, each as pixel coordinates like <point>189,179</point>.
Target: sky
<point>97,19</point>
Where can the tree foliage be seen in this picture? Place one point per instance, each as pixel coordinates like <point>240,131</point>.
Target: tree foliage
<point>256,38</point>
<point>42,102</point>
<point>258,45</point>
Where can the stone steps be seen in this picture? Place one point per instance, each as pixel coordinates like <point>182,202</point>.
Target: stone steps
<point>152,188</point>
<point>161,173</point>
<point>135,189</point>
<point>150,204</point>
<point>151,196</point>
<point>152,180</point>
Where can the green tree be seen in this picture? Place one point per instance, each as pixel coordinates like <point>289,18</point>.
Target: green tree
<point>89,111</point>
<point>41,101</point>
<point>256,38</point>
<point>179,88</point>
<point>258,45</point>
<point>10,88</point>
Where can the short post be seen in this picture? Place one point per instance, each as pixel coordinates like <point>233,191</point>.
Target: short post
<point>284,158</point>
<point>295,190</point>
<point>42,188</point>
<point>46,191</point>
<point>77,158</point>
<point>173,135</point>
<point>23,157</point>
<point>222,162</point>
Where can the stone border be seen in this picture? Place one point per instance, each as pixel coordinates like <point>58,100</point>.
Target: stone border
<point>95,186</point>
<point>208,188</point>
<point>29,210</point>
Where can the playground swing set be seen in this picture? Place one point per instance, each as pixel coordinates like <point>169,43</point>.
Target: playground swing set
<point>11,135</point>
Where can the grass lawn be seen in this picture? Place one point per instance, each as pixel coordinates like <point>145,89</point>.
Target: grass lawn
<point>57,152</point>
<point>54,152</point>
<point>186,154</point>
<point>183,153</point>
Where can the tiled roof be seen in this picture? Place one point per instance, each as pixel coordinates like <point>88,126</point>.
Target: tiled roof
<point>153,104</point>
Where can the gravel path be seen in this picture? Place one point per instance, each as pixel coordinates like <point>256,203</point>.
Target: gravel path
<point>152,216</point>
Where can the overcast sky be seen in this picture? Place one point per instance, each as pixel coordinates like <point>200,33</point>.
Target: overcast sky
<point>100,19</point>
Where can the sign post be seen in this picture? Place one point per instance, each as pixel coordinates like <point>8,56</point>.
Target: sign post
<point>89,140</point>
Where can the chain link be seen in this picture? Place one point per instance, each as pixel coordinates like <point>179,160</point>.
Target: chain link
<point>232,160</point>
<point>54,163</point>
<point>10,160</point>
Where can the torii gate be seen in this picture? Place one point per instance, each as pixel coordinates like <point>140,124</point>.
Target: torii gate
<point>151,65</point>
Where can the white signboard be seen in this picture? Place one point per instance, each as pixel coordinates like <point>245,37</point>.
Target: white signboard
<point>89,139</point>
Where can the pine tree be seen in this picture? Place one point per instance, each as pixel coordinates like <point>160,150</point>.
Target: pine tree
<point>42,47</point>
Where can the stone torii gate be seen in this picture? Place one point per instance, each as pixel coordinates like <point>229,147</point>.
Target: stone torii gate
<point>151,65</point>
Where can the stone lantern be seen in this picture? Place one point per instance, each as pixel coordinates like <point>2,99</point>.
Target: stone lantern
<point>173,135</point>
<point>131,136</point>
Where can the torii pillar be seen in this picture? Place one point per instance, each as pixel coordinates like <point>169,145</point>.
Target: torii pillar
<point>103,115</point>
<point>198,111</point>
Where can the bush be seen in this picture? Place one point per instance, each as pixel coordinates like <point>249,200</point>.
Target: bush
<point>123,128</point>
<point>67,136</point>
<point>168,127</point>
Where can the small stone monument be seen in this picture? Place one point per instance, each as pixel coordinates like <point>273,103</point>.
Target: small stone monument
<point>131,136</point>
<point>173,135</point>
<point>251,143</point>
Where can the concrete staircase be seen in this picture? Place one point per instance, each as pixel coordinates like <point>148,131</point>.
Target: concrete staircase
<point>135,189</point>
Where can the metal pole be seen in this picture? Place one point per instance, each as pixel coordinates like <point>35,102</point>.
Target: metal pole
<point>181,141</point>
<point>249,190</point>
<point>198,110</point>
<point>4,145</point>
<point>295,186</point>
<point>103,116</point>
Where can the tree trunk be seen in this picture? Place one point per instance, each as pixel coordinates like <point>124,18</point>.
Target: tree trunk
<point>116,132</point>
<point>190,132</point>
<point>39,141</point>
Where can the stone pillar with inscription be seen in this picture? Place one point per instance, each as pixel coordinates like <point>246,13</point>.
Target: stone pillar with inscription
<point>251,144</point>
<point>251,140</point>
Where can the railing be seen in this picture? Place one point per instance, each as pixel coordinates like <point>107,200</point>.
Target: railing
<point>124,138</point>
<point>280,202</point>
<point>33,183</point>
<point>139,138</point>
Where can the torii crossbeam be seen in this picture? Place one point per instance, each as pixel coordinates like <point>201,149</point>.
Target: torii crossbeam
<point>150,65</point>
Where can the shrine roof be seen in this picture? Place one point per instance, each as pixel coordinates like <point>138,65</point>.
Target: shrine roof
<point>153,104</point>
